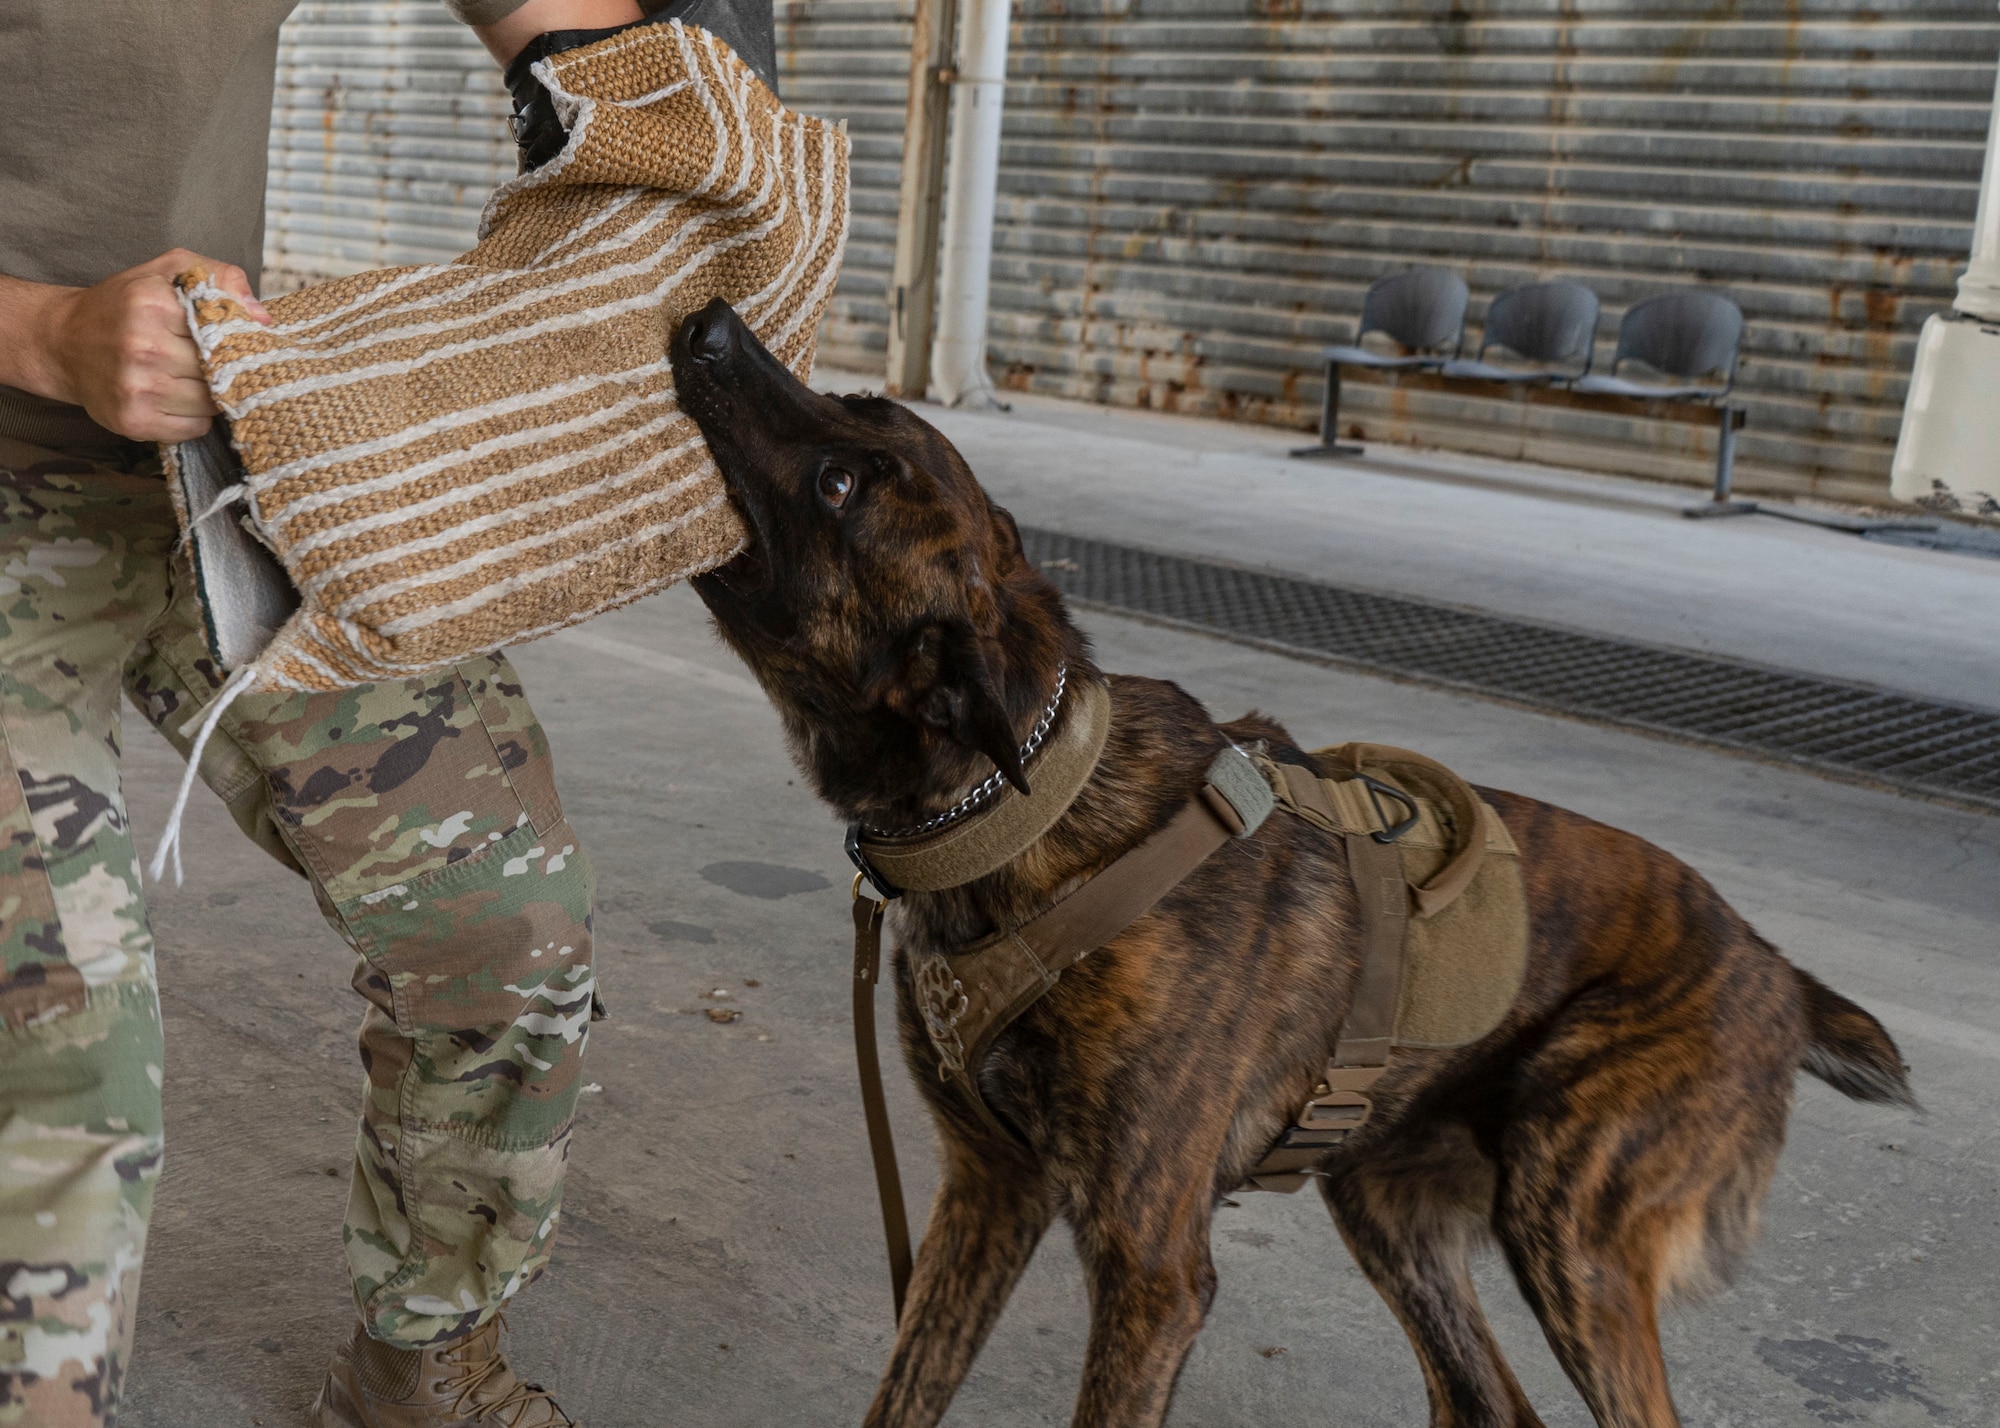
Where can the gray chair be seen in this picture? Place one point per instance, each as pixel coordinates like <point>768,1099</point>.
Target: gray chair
<point>1690,335</point>
<point>1422,311</point>
<point>1552,326</point>
<point>1687,334</point>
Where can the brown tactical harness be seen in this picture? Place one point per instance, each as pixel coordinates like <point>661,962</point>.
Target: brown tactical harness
<point>969,996</point>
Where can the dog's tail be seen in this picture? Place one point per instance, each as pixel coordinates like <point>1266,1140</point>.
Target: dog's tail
<point>1848,1049</point>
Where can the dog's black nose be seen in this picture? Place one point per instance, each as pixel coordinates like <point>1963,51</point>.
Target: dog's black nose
<point>711,334</point>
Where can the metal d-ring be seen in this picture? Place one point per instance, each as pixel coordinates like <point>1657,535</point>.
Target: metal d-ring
<point>1376,788</point>
<point>890,892</point>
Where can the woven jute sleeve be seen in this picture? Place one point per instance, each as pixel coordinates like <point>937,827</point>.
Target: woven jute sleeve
<point>452,458</point>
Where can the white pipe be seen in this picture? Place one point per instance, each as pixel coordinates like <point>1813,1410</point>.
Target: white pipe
<point>958,362</point>
<point>1979,289</point>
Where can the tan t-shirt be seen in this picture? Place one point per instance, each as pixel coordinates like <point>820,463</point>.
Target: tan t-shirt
<point>130,128</point>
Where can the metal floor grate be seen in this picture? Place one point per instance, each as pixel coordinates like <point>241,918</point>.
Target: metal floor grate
<point>1921,745</point>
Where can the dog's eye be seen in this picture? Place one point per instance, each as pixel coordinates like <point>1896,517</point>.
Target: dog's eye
<point>836,485</point>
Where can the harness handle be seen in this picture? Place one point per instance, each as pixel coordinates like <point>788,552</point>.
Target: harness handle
<point>1427,776</point>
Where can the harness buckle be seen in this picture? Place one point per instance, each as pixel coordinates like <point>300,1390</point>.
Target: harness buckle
<point>1339,1106</point>
<point>889,891</point>
<point>1340,1112</point>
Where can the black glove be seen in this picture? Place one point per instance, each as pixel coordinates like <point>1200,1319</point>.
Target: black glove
<point>746,26</point>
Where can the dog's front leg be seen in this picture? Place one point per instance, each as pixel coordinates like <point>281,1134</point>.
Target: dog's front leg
<point>985,1223</point>
<point>1151,1282</point>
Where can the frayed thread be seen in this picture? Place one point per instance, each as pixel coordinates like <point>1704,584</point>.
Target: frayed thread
<point>229,497</point>
<point>237,495</point>
<point>210,719</point>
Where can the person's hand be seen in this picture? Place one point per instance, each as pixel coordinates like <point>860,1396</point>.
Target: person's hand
<point>121,350</point>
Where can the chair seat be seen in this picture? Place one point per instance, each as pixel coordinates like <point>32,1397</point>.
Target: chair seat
<point>1619,387</point>
<point>1362,357</point>
<point>1489,372</point>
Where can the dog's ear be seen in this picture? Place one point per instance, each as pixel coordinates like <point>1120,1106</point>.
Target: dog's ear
<point>1007,547</point>
<point>953,679</point>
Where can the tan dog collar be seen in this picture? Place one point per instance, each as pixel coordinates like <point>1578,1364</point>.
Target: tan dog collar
<point>986,841</point>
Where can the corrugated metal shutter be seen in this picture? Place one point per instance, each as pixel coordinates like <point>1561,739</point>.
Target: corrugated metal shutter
<point>1197,192</point>
<point>388,130</point>
<point>850,60</point>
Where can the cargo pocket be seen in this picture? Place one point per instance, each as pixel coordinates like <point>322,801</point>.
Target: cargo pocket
<point>484,970</point>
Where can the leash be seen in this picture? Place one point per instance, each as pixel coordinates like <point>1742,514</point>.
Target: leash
<point>881,1139</point>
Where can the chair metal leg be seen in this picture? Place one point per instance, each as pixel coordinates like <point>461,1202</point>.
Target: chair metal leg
<point>1329,420</point>
<point>1732,419</point>
<point>1725,468</point>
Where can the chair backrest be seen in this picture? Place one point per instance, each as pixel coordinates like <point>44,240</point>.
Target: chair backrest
<point>1424,309</point>
<point>1688,333</point>
<point>1543,322</point>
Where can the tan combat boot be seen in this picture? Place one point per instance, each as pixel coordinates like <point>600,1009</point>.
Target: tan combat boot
<point>465,1384</point>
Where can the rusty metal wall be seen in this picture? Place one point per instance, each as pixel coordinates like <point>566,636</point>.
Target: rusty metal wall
<point>388,130</point>
<point>1196,193</point>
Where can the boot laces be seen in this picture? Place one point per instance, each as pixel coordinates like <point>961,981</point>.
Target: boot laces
<point>510,1407</point>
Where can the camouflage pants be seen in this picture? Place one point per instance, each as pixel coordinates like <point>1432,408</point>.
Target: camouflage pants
<point>425,816</point>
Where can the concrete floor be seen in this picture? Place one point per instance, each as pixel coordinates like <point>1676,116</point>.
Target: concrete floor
<point>1593,552</point>
<point>720,1261</point>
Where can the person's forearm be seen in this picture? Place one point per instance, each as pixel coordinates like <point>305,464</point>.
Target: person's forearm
<point>119,349</point>
<point>28,320</point>
<point>506,36</point>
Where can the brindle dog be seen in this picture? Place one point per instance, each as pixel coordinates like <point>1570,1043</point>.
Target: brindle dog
<point>1615,1134</point>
